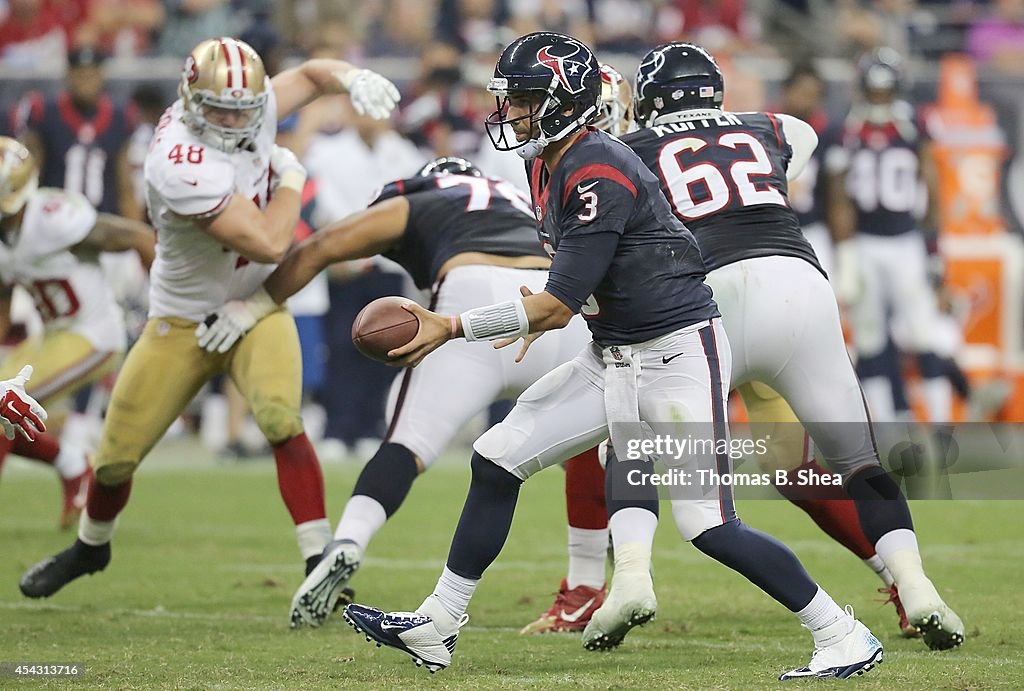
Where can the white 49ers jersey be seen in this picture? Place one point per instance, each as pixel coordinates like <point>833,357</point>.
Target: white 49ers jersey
<point>187,181</point>
<point>69,287</point>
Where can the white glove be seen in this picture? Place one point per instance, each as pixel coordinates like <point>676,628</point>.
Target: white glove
<point>371,93</point>
<point>848,282</point>
<point>19,412</point>
<point>222,329</point>
<point>286,170</point>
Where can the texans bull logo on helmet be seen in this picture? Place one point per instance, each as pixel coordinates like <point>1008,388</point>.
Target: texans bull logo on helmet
<point>558,59</point>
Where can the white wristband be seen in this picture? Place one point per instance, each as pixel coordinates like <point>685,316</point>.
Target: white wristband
<point>292,179</point>
<point>503,320</point>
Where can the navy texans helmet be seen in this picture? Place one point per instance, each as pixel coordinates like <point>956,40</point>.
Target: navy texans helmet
<point>562,80</point>
<point>675,77</point>
<point>881,74</point>
<point>450,165</point>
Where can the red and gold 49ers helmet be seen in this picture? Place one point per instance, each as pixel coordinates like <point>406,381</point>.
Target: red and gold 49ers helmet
<point>615,115</point>
<point>19,176</point>
<point>223,90</point>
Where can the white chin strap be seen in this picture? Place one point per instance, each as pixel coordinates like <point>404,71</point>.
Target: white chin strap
<point>532,149</point>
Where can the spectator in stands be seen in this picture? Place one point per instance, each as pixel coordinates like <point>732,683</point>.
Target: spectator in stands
<point>191,21</point>
<point>468,24</point>
<point>998,40</point>
<point>32,35</point>
<point>398,28</point>
<point>121,28</point>
<point>565,16</point>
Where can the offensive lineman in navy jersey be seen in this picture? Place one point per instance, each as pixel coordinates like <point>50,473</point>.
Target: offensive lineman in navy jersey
<point>472,240</point>
<point>727,177</point>
<point>621,256</point>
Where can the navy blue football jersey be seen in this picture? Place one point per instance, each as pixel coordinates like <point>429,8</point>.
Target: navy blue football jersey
<point>883,171</point>
<point>726,179</point>
<point>452,214</point>
<point>81,149</point>
<point>620,257</point>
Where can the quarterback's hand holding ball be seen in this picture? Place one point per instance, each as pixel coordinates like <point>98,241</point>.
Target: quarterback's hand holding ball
<point>19,412</point>
<point>435,330</point>
<point>371,93</point>
<point>222,329</point>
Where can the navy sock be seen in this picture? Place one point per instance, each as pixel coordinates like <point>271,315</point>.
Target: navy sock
<point>881,505</point>
<point>486,518</point>
<point>766,562</point>
<point>388,476</point>
<point>619,493</point>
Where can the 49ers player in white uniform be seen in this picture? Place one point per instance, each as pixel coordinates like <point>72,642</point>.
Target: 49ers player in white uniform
<point>50,243</point>
<point>224,200</point>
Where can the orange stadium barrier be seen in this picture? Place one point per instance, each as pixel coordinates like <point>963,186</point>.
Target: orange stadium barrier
<point>984,263</point>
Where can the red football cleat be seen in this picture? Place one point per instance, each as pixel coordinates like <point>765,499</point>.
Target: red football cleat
<point>906,628</point>
<point>75,491</point>
<point>570,612</point>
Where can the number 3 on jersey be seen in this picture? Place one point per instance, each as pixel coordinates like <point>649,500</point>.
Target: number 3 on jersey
<point>718,193</point>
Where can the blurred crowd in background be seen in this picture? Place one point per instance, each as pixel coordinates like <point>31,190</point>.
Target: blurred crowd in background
<point>124,57</point>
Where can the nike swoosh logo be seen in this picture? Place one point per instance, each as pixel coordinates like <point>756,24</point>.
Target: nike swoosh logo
<point>666,360</point>
<point>581,189</point>
<point>190,182</point>
<point>566,616</point>
<point>388,627</point>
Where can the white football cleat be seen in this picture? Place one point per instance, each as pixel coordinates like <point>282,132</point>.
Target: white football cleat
<point>939,625</point>
<point>414,633</point>
<point>318,595</point>
<point>854,653</point>
<point>630,603</point>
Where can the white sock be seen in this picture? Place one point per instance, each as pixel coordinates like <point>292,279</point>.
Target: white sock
<point>313,536</point>
<point>876,564</point>
<point>70,462</point>
<point>938,399</point>
<point>453,592</point>
<point>93,532</point>
<point>898,549</point>
<point>587,552</point>
<point>878,393</point>
<point>362,518</point>
<point>632,524</point>
<point>819,614</point>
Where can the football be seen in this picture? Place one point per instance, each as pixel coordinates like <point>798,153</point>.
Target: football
<point>382,326</point>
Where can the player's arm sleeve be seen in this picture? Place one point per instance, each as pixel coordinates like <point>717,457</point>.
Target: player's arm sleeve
<point>197,191</point>
<point>580,263</point>
<point>394,189</point>
<point>802,140</point>
<point>64,220</point>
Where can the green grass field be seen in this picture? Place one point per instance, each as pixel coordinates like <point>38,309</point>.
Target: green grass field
<point>205,565</point>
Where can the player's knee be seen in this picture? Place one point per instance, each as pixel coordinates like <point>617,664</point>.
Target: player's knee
<point>691,519</point>
<point>486,471</point>
<point>278,422</point>
<point>499,443</point>
<point>712,540</point>
<point>115,473</point>
<point>388,476</point>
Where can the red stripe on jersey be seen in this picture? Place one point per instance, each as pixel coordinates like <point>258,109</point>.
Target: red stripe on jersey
<point>227,60</point>
<point>775,124</point>
<point>73,119</point>
<point>597,170</point>
<point>401,186</point>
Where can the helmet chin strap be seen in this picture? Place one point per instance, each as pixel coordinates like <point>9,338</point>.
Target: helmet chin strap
<point>532,149</point>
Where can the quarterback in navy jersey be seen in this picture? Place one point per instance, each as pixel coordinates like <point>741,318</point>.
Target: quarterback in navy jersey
<point>604,218</point>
